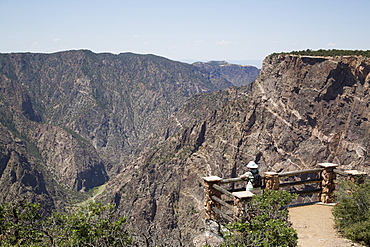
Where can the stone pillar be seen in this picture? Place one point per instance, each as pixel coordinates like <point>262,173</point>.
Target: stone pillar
<point>327,183</point>
<point>209,191</point>
<point>355,176</point>
<point>241,200</point>
<point>272,181</point>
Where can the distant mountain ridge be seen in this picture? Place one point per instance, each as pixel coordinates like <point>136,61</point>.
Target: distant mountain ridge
<point>238,75</point>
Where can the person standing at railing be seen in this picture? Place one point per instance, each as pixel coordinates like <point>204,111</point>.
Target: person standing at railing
<point>253,177</point>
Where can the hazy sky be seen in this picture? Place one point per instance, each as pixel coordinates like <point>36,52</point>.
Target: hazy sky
<point>184,29</point>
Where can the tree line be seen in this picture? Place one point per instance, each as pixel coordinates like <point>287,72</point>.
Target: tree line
<point>328,53</point>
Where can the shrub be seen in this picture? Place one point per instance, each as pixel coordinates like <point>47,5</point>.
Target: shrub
<point>21,224</point>
<point>352,212</point>
<point>18,224</point>
<point>267,223</point>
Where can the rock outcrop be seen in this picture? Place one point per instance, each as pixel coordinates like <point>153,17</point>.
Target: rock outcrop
<point>20,176</point>
<point>319,110</point>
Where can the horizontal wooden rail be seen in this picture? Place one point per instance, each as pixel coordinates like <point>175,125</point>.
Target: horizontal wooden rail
<point>312,181</point>
<point>235,180</point>
<point>295,173</point>
<point>222,190</point>
<point>215,198</point>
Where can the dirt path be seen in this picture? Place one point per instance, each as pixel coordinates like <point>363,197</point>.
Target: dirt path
<point>315,226</point>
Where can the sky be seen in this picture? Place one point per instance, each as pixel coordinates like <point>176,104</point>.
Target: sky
<point>237,31</point>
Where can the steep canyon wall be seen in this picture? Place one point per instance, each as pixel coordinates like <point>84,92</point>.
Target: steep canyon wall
<point>84,116</point>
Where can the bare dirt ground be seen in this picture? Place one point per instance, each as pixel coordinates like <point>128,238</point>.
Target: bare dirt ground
<point>315,226</point>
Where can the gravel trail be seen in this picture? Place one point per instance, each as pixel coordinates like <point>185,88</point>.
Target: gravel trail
<point>315,226</point>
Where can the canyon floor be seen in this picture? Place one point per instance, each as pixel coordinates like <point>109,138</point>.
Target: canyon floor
<point>315,226</point>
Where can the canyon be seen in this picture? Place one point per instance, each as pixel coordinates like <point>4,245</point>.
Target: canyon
<point>150,128</point>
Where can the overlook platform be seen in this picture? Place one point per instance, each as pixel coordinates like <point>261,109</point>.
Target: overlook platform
<point>313,222</point>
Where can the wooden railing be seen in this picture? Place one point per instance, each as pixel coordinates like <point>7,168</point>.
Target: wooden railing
<point>217,207</point>
<point>215,199</point>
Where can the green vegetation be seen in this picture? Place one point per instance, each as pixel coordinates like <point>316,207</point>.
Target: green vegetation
<point>328,53</point>
<point>267,224</point>
<point>94,192</point>
<point>21,224</point>
<point>352,213</point>
<point>6,116</point>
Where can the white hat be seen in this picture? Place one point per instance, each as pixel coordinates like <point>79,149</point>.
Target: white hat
<point>252,165</point>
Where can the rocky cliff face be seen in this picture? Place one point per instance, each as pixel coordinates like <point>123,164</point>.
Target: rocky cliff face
<point>20,176</point>
<point>320,110</point>
<point>301,111</point>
